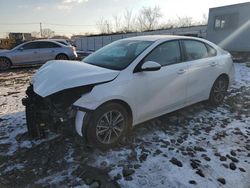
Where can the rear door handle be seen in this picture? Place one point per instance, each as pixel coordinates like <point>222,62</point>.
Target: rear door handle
<point>181,71</point>
<point>213,64</point>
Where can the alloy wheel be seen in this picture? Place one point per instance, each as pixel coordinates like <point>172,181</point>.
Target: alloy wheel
<point>62,57</point>
<point>110,127</point>
<point>220,89</point>
<point>4,64</point>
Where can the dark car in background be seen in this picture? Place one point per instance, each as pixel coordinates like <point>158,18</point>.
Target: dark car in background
<point>36,52</point>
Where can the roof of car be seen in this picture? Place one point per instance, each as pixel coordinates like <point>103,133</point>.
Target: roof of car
<point>47,40</point>
<point>58,41</point>
<point>160,37</point>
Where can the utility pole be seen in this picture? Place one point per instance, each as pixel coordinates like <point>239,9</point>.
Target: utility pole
<point>41,30</point>
<point>108,30</point>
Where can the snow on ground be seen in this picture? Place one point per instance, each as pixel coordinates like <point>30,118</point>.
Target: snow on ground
<point>242,75</point>
<point>12,114</point>
<point>215,131</point>
<point>198,146</point>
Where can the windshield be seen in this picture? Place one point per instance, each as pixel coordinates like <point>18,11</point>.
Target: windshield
<point>17,46</point>
<point>117,55</point>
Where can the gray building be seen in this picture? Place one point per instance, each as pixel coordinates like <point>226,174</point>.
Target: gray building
<point>229,27</point>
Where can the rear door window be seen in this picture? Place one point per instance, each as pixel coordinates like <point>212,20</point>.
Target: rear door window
<point>194,50</point>
<point>29,46</point>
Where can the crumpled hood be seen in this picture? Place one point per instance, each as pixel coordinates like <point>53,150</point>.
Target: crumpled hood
<point>58,75</point>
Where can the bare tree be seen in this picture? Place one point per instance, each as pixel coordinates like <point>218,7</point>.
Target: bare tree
<point>127,20</point>
<point>35,34</point>
<point>167,24</point>
<point>100,25</point>
<point>184,22</point>
<point>148,18</point>
<point>117,23</point>
<point>104,26</point>
<point>48,33</point>
<point>204,19</point>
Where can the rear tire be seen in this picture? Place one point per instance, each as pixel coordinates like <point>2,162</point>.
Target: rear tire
<point>108,125</point>
<point>218,91</point>
<point>5,63</point>
<point>62,57</point>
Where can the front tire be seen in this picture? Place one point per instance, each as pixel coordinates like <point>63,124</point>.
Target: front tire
<point>5,63</point>
<point>218,91</point>
<point>108,125</point>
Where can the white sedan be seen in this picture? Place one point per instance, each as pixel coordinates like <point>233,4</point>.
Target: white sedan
<point>126,83</point>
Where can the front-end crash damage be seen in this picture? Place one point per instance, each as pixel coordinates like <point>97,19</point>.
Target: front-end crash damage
<point>43,113</point>
<point>54,89</point>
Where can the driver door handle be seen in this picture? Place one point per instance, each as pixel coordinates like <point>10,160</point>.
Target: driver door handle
<point>213,64</point>
<point>181,71</point>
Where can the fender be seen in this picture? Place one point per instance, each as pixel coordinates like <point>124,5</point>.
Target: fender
<point>87,104</point>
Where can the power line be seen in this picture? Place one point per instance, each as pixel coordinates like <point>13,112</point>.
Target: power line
<point>41,25</point>
<point>2,23</point>
<point>55,24</point>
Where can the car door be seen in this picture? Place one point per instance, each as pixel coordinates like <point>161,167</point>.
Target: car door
<point>201,69</point>
<point>27,53</point>
<point>163,90</point>
<point>48,50</point>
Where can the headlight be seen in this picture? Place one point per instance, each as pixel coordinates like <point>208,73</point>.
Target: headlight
<point>69,96</point>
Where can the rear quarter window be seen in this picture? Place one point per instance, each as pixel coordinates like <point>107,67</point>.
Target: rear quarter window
<point>211,51</point>
<point>48,45</point>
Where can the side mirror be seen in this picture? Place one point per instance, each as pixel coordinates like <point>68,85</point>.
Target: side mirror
<point>150,66</point>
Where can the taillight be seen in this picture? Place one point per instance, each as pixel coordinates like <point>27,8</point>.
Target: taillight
<point>74,51</point>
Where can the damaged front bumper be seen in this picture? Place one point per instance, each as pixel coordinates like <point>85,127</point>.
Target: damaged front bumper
<point>43,115</point>
<point>79,122</point>
<point>49,113</point>
<point>83,116</point>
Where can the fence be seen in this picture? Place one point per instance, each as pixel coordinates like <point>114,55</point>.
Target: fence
<point>93,43</point>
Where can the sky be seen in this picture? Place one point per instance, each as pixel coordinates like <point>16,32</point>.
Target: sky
<point>68,17</point>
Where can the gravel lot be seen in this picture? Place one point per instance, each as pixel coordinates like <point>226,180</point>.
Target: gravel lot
<point>199,146</point>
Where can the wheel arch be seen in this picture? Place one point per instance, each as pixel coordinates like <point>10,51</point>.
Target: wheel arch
<point>225,76</point>
<point>125,105</point>
<point>61,53</point>
<point>89,113</point>
<point>7,58</point>
<point>222,75</point>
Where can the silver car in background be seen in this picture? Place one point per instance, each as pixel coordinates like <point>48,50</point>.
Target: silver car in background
<point>36,52</point>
